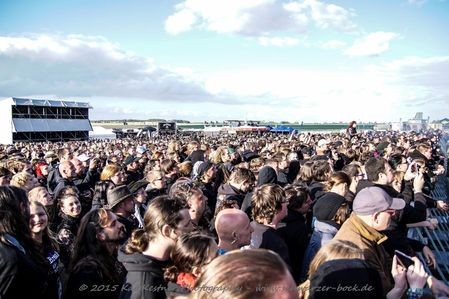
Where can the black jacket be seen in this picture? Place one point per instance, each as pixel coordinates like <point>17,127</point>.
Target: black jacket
<point>145,278</point>
<point>20,276</point>
<point>227,191</point>
<point>89,280</point>
<point>293,230</point>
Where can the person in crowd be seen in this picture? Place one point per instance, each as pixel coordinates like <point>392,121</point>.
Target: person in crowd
<point>293,227</point>
<point>332,250</point>
<point>67,175</point>
<point>233,229</point>
<point>132,169</point>
<point>85,179</point>
<point>140,200</point>
<point>25,181</point>
<point>101,190</point>
<point>48,245</point>
<point>191,253</point>
<point>267,175</point>
<point>157,184</point>
<point>171,172</point>
<point>372,211</point>
<point>191,196</point>
<point>63,155</point>
<point>321,172</point>
<point>21,260</point>
<point>5,176</point>
<point>41,195</point>
<point>185,169</point>
<point>42,174</point>
<point>269,207</point>
<point>254,273</point>
<point>114,173</point>
<point>70,210</point>
<point>355,173</point>
<point>94,270</point>
<point>122,203</point>
<point>206,176</point>
<point>240,183</point>
<point>330,212</point>
<point>147,252</point>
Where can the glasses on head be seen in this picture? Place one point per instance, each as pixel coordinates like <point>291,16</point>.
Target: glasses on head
<point>392,212</point>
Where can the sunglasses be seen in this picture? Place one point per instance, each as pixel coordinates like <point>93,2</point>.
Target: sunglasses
<point>362,175</point>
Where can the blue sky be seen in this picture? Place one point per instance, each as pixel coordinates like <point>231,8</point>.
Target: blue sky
<point>303,60</point>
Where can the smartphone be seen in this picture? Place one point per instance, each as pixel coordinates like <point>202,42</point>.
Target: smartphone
<point>405,260</point>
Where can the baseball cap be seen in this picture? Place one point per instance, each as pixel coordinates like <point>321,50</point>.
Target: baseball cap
<point>371,200</point>
<point>323,142</point>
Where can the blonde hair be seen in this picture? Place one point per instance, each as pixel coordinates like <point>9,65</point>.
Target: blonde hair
<point>217,156</point>
<point>20,179</point>
<point>241,274</point>
<point>109,171</point>
<point>332,250</point>
<point>185,168</point>
<point>33,194</point>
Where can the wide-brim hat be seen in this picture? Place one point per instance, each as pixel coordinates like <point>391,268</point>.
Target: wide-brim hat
<point>117,195</point>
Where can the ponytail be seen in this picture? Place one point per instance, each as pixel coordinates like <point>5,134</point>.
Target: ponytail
<point>138,241</point>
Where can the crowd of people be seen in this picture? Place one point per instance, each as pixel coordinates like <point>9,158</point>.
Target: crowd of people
<point>236,216</point>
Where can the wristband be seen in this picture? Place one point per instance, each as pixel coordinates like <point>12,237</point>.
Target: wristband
<point>414,293</point>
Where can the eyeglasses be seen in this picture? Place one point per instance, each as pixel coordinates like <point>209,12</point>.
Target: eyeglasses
<point>285,201</point>
<point>392,212</point>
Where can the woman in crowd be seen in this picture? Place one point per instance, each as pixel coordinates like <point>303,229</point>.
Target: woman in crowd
<point>23,269</point>
<point>330,211</point>
<point>147,252</point>
<point>334,249</point>
<point>240,274</point>
<point>70,209</point>
<point>114,173</point>
<point>41,195</point>
<point>25,181</point>
<point>190,255</point>
<point>48,245</point>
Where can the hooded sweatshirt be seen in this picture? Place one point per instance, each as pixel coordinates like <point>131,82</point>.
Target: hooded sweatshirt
<point>145,278</point>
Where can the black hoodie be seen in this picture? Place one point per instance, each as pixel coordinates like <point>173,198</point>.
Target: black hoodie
<point>145,278</point>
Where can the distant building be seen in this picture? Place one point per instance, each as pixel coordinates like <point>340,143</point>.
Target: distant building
<point>418,123</point>
<point>32,120</point>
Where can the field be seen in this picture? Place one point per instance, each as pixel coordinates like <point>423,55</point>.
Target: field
<point>305,127</point>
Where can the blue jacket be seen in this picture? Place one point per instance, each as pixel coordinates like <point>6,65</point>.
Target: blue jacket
<point>322,233</point>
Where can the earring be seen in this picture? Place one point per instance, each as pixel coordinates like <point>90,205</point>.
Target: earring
<point>234,241</point>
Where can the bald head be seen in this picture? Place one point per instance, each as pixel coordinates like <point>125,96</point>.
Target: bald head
<point>67,170</point>
<point>229,222</point>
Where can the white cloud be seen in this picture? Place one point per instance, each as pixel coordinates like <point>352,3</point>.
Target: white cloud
<point>333,44</point>
<point>180,22</point>
<point>278,41</point>
<point>257,17</point>
<point>83,66</point>
<point>372,44</point>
